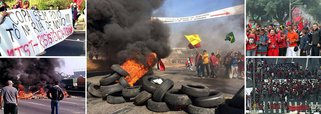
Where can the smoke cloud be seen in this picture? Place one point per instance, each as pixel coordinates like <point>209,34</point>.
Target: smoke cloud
<point>213,33</point>
<point>122,29</point>
<point>29,71</point>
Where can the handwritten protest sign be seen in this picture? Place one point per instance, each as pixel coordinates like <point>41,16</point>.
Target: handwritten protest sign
<point>30,32</point>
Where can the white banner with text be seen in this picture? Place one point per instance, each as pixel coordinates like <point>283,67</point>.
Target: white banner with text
<point>30,32</point>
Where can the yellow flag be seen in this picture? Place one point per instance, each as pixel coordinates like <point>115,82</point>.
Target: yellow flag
<point>193,39</point>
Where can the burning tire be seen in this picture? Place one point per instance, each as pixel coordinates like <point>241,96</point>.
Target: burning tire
<point>191,109</point>
<point>106,90</point>
<point>119,70</point>
<point>195,90</point>
<point>157,106</point>
<point>148,85</point>
<point>131,92</point>
<point>123,82</point>
<point>226,109</point>
<point>94,90</point>
<point>142,97</point>
<point>238,99</point>
<point>113,99</point>
<point>176,98</point>
<point>213,100</point>
<point>109,79</point>
<point>162,89</point>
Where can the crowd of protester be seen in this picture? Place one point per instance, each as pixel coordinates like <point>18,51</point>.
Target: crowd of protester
<point>289,40</point>
<point>207,65</point>
<point>283,83</point>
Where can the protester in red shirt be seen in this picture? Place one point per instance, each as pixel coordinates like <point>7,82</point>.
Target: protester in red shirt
<point>273,48</point>
<point>251,45</point>
<point>282,43</point>
<point>213,64</point>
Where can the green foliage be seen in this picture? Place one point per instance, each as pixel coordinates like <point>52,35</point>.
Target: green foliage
<point>276,9</point>
<point>44,4</point>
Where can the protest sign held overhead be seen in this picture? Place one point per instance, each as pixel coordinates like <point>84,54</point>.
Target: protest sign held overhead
<point>30,32</point>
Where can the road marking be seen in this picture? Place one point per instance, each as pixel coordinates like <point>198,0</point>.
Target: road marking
<point>163,74</point>
<point>74,40</point>
<point>71,102</point>
<point>36,103</point>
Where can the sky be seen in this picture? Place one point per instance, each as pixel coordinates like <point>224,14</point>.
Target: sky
<point>180,8</point>
<point>72,64</point>
<point>212,31</point>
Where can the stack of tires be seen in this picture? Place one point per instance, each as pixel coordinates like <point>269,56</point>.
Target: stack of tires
<point>158,96</point>
<point>114,88</point>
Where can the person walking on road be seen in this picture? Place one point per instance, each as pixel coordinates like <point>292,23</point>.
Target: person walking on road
<point>205,58</point>
<point>9,98</point>
<point>55,94</point>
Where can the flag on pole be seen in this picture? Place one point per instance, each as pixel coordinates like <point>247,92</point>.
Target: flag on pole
<point>230,37</point>
<point>160,65</point>
<point>190,46</point>
<point>193,39</point>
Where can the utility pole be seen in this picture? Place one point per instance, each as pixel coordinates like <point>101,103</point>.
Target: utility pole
<point>290,10</point>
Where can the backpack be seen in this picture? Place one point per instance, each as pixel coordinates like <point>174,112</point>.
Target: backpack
<point>56,92</point>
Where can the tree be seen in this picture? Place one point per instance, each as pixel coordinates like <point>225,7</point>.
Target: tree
<point>258,10</point>
<point>268,10</point>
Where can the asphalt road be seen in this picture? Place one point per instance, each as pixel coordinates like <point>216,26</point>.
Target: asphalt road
<point>75,105</point>
<point>74,45</point>
<point>180,76</point>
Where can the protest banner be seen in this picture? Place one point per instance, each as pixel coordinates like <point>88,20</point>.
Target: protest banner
<point>235,10</point>
<point>30,32</point>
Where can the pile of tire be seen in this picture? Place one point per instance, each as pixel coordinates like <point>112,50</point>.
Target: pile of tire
<point>161,97</point>
<point>113,87</point>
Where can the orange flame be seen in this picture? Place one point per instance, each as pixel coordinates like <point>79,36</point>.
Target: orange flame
<point>40,94</point>
<point>22,94</point>
<point>137,70</point>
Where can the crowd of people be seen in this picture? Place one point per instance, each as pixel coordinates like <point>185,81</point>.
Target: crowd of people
<point>285,82</point>
<point>289,40</point>
<point>207,65</point>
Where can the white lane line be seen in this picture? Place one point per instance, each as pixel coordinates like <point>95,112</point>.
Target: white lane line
<point>36,104</point>
<point>71,102</point>
<point>75,40</point>
<point>163,74</point>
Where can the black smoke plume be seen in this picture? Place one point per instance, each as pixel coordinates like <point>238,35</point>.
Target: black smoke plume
<point>123,29</point>
<point>29,71</point>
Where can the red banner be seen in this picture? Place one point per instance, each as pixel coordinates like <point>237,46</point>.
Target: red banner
<point>299,108</point>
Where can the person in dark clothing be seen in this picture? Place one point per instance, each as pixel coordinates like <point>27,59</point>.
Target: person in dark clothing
<point>55,93</point>
<point>198,63</point>
<point>74,11</point>
<point>304,43</point>
<point>316,36</point>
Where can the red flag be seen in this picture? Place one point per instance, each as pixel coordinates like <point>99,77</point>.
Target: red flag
<point>190,46</point>
<point>161,65</point>
<point>78,2</point>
